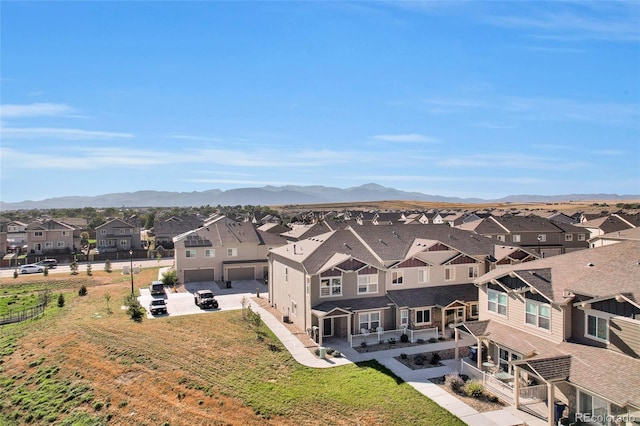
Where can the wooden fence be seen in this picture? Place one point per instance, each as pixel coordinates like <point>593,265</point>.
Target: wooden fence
<point>22,315</point>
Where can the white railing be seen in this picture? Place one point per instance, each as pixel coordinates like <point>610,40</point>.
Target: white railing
<point>471,371</point>
<point>383,336</point>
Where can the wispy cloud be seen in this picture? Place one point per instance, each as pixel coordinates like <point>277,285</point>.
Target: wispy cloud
<point>34,110</point>
<point>574,22</point>
<point>409,137</point>
<point>58,133</point>
<point>511,161</point>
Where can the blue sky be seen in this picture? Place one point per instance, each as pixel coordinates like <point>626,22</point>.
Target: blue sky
<point>468,99</point>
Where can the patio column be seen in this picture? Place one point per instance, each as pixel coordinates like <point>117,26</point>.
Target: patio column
<point>551,406</point>
<point>349,328</point>
<point>479,358</point>
<point>320,330</point>
<point>516,387</point>
<point>456,332</point>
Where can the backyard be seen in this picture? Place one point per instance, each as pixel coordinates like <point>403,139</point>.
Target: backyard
<point>88,363</point>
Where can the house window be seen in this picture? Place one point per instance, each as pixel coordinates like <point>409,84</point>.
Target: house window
<point>48,244</point>
<point>190,253</point>
<point>538,314</point>
<point>597,327</point>
<point>210,253</point>
<point>423,275</point>
<point>369,320</point>
<point>286,275</point>
<point>473,271</point>
<point>331,287</point>
<point>65,233</point>
<point>404,318</point>
<point>122,231</point>
<point>294,308</point>
<point>516,238</point>
<point>449,273</point>
<point>581,237</point>
<point>423,316</point>
<point>124,243</point>
<point>497,302</point>
<point>38,233</point>
<point>397,277</point>
<point>102,243</point>
<point>542,238</point>
<point>473,310</point>
<point>59,244</point>
<point>568,237</point>
<point>103,232</point>
<point>500,237</point>
<point>232,252</point>
<point>367,283</point>
<point>504,357</point>
<point>592,408</point>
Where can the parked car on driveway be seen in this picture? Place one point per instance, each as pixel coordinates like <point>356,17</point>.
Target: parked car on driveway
<point>156,288</point>
<point>158,306</point>
<point>48,263</point>
<point>205,299</point>
<point>31,269</point>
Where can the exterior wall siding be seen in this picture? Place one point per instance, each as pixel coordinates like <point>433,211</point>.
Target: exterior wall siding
<point>624,336</point>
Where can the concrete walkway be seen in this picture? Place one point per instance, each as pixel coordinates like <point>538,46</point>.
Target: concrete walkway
<point>419,379</point>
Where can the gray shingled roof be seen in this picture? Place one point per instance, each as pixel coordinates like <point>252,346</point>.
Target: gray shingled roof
<point>381,302</point>
<point>597,272</point>
<point>433,296</point>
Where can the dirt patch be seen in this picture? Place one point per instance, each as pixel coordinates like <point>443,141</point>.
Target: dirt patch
<point>487,402</point>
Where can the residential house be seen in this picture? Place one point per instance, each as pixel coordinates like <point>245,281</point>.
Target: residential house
<point>563,331</point>
<point>223,250</point>
<point>52,236</point>
<point>615,237</point>
<point>604,225</point>
<point>533,232</point>
<point>16,236</point>
<point>117,235</point>
<point>166,228</point>
<point>353,281</point>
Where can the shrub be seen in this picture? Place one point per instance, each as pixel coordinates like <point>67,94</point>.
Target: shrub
<point>404,338</point>
<point>432,340</point>
<point>420,341</point>
<point>363,344</point>
<point>134,310</point>
<point>435,358</point>
<point>474,388</point>
<point>15,273</point>
<point>107,266</point>
<point>89,269</point>
<point>60,300</point>
<point>454,382</point>
<point>330,351</point>
<point>82,291</point>
<point>170,278</point>
<point>45,272</point>
<point>74,268</point>
<point>419,359</point>
<point>403,355</point>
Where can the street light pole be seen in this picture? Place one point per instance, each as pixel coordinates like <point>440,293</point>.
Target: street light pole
<point>131,269</point>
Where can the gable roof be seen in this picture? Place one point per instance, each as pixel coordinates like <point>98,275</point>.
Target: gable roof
<point>594,272</point>
<point>433,296</point>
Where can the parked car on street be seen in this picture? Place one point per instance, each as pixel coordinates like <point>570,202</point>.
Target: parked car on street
<point>205,299</point>
<point>48,263</point>
<point>158,306</point>
<point>31,269</point>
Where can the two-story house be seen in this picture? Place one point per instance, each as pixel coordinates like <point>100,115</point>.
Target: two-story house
<point>355,280</point>
<point>564,330</point>
<point>223,250</point>
<point>166,228</point>
<point>117,235</point>
<point>52,236</point>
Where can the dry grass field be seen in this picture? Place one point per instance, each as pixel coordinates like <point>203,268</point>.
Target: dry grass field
<point>88,363</point>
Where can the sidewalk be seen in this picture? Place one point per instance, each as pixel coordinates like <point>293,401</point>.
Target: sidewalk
<point>419,379</point>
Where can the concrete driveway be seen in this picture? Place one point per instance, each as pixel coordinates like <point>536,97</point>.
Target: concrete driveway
<point>228,298</point>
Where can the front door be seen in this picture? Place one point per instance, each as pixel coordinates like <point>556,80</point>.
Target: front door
<point>327,327</point>
<point>455,315</point>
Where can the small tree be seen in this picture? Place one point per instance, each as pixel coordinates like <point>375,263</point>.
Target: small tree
<point>74,268</point>
<point>45,297</point>
<point>15,273</point>
<point>60,300</point>
<point>107,297</point>
<point>107,266</point>
<point>134,309</point>
<point>170,278</point>
<point>89,269</point>
<point>83,290</point>
<point>244,302</point>
<point>158,255</point>
<point>45,272</point>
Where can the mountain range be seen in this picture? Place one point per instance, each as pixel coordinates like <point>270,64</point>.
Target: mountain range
<point>280,195</point>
